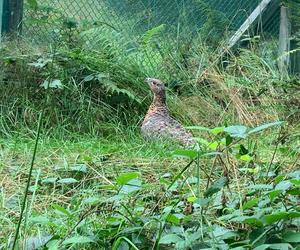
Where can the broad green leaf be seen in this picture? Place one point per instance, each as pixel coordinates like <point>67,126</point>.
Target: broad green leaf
<point>92,200</point>
<point>40,63</point>
<point>43,220</point>
<point>274,194</point>
<point>36,242</point>
<point>294,191</point>
<point>279,178</point>
<point>222,233</point>
<point>116,198</point>
<point>55,84</point>
<point>170,239</point>
<point>131,186</point>
<point>245,158</point>
<point>261,187</point>
<point>295,181</point>
<point>61,210</point>
<point>262,247</point>
<point>235,248</point>
<point>271,218</point>
<point>217,130</point>
<point>78,240</point>
<point>279,246</point>
<point>253,221</point>
<point>202,201</point>
<point>126,177</point>
<point>253,170</point>
<point>186,153</point>
<point>50,180</point>
<point>283,185</point>
<point>89,78</point>
<point>216,186</point>
<point>201,141</point>
<point>53,245</point>
<point>167,209</point>
<point>79,168</point>
<point>250,204</point>
<point>295,174</point>
<point>67,181</point>
<point>265,126</point>
<point>213,145</point>
<point>292,237</point>
<point>114,221</point>
<point>192,199</point>
<point>238,131</point>
<point>175,218</point>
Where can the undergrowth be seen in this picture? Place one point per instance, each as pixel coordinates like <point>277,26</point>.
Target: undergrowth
<point>238,189</point>
<point>86,88</point>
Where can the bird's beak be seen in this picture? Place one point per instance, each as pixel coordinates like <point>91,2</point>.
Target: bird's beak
<point>148,81</point>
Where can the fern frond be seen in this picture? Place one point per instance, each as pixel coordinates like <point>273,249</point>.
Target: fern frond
<point>112,87</point>
<point>150,34</point>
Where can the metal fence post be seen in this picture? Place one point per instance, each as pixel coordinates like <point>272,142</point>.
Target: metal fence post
<point>5,16</point>
<point>11,16</point>
<point>284,41</point>
<point>1,15</point>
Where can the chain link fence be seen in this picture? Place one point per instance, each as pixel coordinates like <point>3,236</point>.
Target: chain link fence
<point>135,17</point>
<point>136,22</point>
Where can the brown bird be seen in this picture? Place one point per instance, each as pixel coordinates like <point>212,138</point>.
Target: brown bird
<point>158,122</point>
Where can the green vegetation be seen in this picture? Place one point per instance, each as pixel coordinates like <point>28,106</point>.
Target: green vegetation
<point>96,183</point>
<point>232,191</point>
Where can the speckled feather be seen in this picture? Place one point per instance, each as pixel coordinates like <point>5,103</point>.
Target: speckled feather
<point>158,122</point>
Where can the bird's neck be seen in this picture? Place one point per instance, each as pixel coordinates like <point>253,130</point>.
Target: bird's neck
<point>159,100</point>
<point>159,103</point>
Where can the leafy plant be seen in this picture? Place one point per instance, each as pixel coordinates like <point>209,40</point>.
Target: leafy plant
<point>232,200</point>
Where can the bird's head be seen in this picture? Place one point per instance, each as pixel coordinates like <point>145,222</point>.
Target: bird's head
<point>157,86</point>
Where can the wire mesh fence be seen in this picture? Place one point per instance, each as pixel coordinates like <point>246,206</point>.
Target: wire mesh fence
<point>136,22</point>
<point>134,17</point>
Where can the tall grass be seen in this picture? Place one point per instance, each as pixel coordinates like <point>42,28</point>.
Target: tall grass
<point>96,76</point>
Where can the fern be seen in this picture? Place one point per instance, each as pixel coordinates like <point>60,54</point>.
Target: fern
<point>150,34</point>
<point>112,87</point>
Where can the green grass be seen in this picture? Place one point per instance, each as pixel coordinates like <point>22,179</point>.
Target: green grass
<point>102,156</point>
<point>96,162</point>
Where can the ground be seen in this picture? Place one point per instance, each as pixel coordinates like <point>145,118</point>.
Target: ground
<point>82,188</point>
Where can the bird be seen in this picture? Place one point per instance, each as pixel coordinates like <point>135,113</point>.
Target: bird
<point>158,122</point>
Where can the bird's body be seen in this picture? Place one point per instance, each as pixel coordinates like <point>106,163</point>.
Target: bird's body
<point>158,122</point>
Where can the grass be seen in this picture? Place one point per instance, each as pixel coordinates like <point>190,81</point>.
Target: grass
<point>104,157</point>
<point>95,162</point>
<point>97,183</point>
